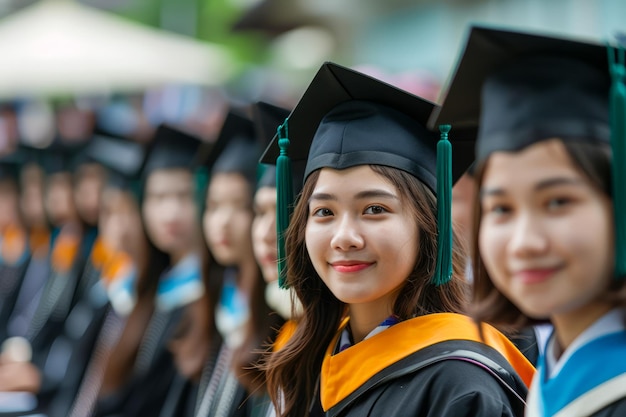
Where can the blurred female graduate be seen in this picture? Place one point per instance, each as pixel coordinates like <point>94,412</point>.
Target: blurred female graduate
<point>381,287</point>
<point>550,231</point>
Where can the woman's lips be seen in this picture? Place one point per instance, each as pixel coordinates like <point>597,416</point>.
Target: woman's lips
<point>350,266</point>
<point>535,276</point>
<point>269,260</point>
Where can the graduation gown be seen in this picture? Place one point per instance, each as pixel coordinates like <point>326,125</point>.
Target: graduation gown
<point>184,397</point>
<point>154,370</point>
<point>56,302</point>
<point>11,279</point>
<point>591,378</point>
<point>16,251</point>
<point>433,365</point>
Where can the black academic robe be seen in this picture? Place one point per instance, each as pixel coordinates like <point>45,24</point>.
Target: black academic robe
<point>146,391</point>
<point>184,395</point>
<point>11,278</point>
<point>222,395</point>
<point>421,385</point>
<point>54,306</point>
<point>617,409</point>
<point>526,342</point>
<point>428,366</point>
<point>71,354</point>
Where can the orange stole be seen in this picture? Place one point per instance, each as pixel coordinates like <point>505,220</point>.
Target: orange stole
<point>115,265</point>
<point>343,373</point>
<point>14,244</point>
<point>65,251</point>
<point>285,333</point>
<point>39,241</point>
<point>100,253</point>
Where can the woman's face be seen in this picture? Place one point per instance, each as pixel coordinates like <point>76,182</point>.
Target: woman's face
<point>463,194</point>
<point>546,234</point>
<point>228,219</point>
<point>170,211</point>
<point>59,199</point>
<point>89,183</point>
<point>264,232</point>
<point>120,225</point>
<point>360,235</point>
<point>31,198</point>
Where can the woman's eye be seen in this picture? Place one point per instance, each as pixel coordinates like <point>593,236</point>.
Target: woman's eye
<point>375,210</point>
<point>554,203</point>
<point>323,212</point>
<point>498,209</point>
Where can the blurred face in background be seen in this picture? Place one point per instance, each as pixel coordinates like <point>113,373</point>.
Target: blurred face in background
<point>463,194</point>
<point>87,191</point>
<point>31,198</point>
<point>264,232</point>
<point>228,218</point>
<point>59,199</point>
<point>120,226</point>
<point>9,204</point>
<point>169,210</point>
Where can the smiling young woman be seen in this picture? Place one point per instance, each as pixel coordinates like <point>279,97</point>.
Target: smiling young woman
<point>378,334</point>
<point>546,233</point>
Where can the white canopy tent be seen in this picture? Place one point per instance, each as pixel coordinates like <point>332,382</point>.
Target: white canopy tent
<point>61,46</point>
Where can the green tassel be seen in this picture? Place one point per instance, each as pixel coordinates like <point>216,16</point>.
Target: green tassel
<point>443,273</point>
<point>284,199</point>
<point>136,188</point>
<point>618,145</point>
<point>201,181</point>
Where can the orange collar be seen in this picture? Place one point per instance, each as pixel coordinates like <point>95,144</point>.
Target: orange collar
<point>285,333</point>
<point>346,371</point>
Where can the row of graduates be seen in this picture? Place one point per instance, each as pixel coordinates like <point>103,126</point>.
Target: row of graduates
<point>114,299</point>
<point>381,324</point>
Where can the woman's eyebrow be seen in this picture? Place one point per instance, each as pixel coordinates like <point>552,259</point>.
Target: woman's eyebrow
<point>542,185</point>
<point>359,196</point>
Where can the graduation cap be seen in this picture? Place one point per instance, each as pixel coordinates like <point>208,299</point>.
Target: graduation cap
<point>522,88</point>
<point>346,118</point>
<point>10,165</point>
<point>59,158</point>
<point>31,155</point>
<point>236,149</point>
<point>267,118</point>
<point>122,158</point>
<point>171,148</point>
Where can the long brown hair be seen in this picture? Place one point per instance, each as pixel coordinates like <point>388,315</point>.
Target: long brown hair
<point>261,330</point>
<point>488,303</point>
<point>292,372</point>
<point>151,263</point>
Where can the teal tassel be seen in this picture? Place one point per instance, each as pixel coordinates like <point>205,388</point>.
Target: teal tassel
<point>136,188</point>
<point>443,272</point>
<point>618,145</point>
<point>284,199</point>
<point>201,181</point>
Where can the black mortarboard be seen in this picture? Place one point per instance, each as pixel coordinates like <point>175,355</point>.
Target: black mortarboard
<point>523,88</point>
<point>362,120</point>
<point>520,88</point>
<point>171,148</point>
<point>59,158</point>
<point>236,149</point>
<point>122,158</point>
<point>346,118</point>
<point>32,155</point>
<point>10,165</point>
